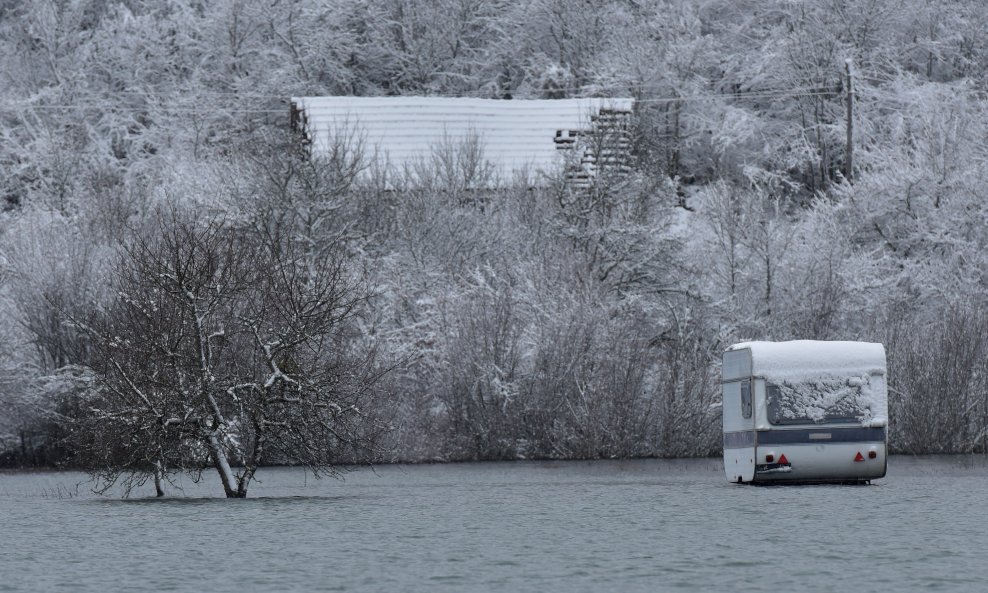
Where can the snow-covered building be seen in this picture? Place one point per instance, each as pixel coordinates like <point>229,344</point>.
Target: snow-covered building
<point>512,139</point>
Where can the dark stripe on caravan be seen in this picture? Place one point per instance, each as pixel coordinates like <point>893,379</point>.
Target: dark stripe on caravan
<point>820,436</point>
<point>795,436</point>
<point>739,440</point>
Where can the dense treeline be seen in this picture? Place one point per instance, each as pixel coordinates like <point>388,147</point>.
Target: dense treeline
<point>524,322</point>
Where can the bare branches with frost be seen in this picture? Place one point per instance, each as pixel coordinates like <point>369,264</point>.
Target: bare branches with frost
<point>228,348</point>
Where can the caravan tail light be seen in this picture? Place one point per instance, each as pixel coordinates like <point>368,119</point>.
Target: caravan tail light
<point>769,458</point>
<point>872,454</point>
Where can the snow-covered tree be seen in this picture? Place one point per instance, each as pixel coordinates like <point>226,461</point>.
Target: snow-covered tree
<point>227,347</point>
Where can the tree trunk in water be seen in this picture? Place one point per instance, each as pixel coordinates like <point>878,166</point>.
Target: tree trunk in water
<point>223,469</point>
<point>158,478</point>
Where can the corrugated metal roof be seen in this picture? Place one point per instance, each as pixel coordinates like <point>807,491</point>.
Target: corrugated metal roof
<point>515,135</point>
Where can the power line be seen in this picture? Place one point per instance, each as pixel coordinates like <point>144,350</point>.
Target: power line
<point>101,101</point>
<point>109,106</point>
<point>474,93</point>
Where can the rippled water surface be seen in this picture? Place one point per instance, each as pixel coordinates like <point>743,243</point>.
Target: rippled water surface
<point>567,526</point>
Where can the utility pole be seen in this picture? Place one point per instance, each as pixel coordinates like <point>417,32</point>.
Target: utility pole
<point>849,148</point>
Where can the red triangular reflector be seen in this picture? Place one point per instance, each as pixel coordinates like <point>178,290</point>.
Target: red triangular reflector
<point>782,459</point>
<point>859,457</point>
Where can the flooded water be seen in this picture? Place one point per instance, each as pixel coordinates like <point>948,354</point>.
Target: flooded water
<point>567,526</point>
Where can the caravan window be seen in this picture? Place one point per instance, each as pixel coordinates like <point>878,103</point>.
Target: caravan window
<point>746,399</point>
<point>814,402</point>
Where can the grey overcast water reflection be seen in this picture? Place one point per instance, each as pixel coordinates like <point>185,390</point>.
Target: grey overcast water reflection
<point>563,526</point>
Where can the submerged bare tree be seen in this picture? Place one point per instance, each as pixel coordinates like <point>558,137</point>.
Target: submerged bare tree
<point>227,348</point>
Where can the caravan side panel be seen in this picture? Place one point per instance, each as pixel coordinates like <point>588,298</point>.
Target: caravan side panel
<point>738,404</point>
<point>737,365</point>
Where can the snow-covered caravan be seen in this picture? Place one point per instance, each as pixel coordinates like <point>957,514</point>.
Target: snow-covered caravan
<point>805,411</point>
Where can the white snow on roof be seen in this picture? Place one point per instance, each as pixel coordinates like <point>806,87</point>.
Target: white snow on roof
<point>784,360</point>
<point>515,135</point>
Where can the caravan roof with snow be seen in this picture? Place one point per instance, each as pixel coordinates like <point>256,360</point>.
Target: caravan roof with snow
<point>802,358</point>
<point>514,137</point>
